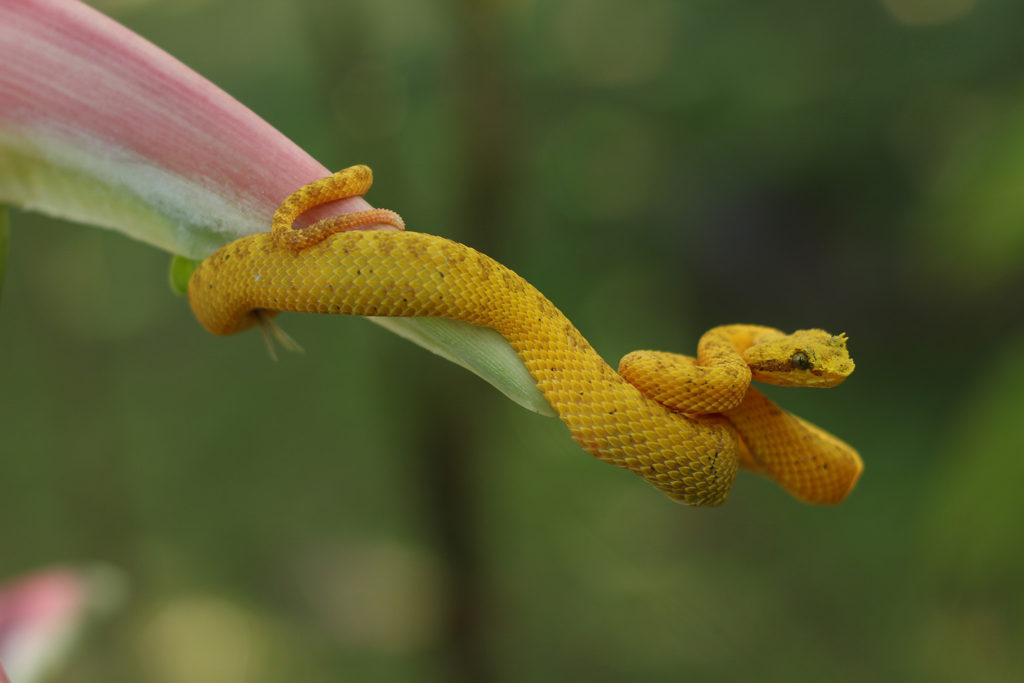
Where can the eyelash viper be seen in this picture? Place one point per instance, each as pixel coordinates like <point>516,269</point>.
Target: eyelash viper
<point>685,425</point>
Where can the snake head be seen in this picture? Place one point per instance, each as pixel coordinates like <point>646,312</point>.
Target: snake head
<point>811,358</point>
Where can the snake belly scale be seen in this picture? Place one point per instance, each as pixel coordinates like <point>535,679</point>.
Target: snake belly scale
<point>693,458</point>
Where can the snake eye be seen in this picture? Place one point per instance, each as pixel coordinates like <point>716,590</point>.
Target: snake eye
<point>800,361</point>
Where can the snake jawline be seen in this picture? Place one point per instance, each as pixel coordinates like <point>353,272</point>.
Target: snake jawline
<point>377,273</point>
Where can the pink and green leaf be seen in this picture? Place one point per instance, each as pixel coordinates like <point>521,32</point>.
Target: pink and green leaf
<point>42,615</point>
<point>99,126</point>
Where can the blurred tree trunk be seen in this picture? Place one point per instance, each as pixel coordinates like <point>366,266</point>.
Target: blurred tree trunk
<point>455,446</point>
<point>450,447</point>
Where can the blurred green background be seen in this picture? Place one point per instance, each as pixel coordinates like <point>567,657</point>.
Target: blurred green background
<point>366,511</point>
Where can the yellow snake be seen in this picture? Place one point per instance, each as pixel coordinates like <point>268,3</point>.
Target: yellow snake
<point>682,424</point>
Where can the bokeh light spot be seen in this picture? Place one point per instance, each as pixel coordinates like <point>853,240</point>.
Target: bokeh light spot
<point>205,638</point>
<point>381,596</point>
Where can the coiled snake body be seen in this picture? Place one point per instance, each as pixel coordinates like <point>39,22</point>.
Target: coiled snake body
<point>683,425</point>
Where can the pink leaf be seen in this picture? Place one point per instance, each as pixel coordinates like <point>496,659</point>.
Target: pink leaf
<point>98,125</point>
